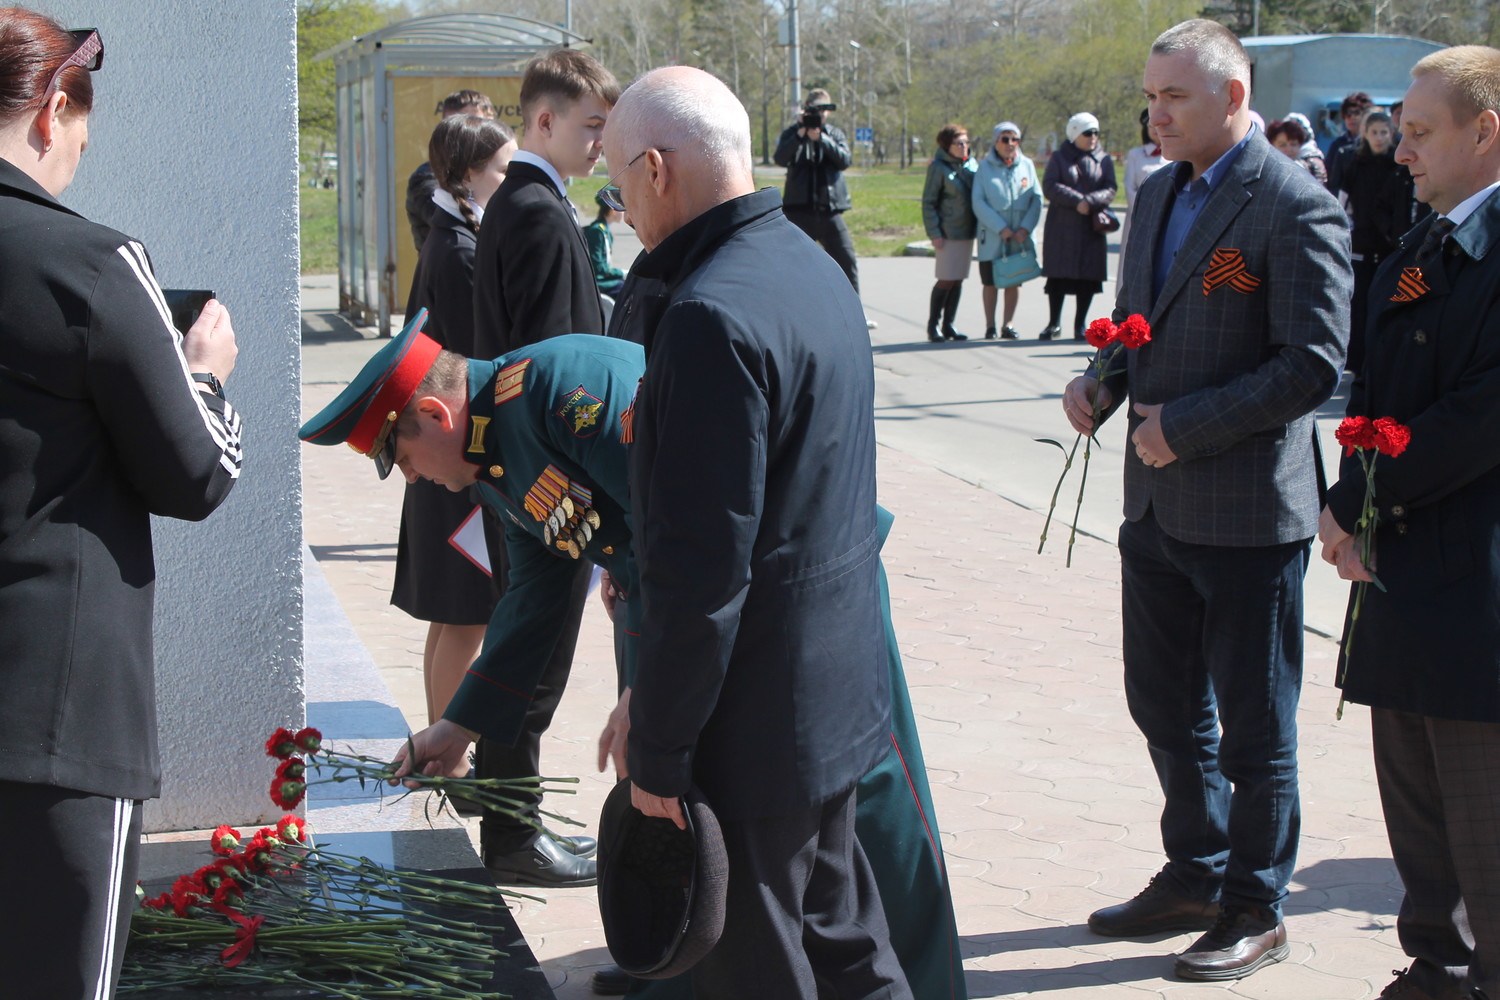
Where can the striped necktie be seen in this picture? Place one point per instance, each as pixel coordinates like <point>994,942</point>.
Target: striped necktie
<point>1432,243</point>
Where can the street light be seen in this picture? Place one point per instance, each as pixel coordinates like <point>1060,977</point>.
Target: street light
<point>854,110</point>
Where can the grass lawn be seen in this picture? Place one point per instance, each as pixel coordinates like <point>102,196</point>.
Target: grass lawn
<point>887,212</point>
<point>320,230</point>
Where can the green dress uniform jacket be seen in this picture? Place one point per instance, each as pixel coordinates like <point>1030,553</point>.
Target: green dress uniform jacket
<point>1430,643</point>
<point>547,427</point>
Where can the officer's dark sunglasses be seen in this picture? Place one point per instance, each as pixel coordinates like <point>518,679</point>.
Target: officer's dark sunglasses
<point>88,55</point>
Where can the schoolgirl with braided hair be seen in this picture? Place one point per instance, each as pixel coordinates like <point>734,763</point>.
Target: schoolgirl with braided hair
<point>434,582</point>
<point>469,155</point>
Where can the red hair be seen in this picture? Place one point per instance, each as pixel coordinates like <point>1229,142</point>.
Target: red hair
<point>31,48</point>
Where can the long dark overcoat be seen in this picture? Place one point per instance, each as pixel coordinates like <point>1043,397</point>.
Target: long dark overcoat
<point>1430,644</point>
<point>1070,247</point>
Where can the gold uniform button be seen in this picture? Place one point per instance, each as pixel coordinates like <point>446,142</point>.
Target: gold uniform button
<point>609,550</point>
<point>1400,529</point>
<point>496,471</point>
<point>1398,511</point>
<point>1420,336</point>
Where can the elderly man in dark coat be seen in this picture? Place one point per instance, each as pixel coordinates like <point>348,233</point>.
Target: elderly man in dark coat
<point>761,678</point>
<point>1424,653</point>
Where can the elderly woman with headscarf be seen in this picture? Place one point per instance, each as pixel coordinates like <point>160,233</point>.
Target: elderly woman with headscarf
<point>1007,204</point>
<point>1078,182</point>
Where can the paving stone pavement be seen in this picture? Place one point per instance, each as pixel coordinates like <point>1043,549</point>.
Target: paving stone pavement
<point>1044,793</point>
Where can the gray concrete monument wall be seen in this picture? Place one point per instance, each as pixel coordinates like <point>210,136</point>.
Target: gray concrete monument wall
<point>193,151</point>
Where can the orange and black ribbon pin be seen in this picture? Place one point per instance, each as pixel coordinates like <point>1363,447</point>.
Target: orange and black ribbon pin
<point>1227,267</point>
<point>1410,286</point>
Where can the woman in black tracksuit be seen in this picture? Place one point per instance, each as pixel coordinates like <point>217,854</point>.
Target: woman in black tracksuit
<point>107,415</point>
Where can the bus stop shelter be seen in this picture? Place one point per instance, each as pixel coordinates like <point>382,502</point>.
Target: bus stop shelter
<point>388,83</point>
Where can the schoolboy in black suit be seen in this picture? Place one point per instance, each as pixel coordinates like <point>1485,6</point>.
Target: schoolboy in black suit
<point>533,280</point>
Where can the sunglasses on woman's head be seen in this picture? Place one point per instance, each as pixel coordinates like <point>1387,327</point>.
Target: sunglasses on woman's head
<point>88,55</point>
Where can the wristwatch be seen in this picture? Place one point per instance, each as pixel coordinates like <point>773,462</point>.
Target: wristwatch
<point>212,381</point>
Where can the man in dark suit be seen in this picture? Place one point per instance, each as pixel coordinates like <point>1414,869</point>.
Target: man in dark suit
<point>533,280</point>
<point>761,678</point>
<point>1424,653</point>
<point>1246,286</point>
<point>532,275</point>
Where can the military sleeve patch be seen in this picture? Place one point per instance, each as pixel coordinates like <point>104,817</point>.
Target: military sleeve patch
<point>509,381</point>
<point>581,412</point>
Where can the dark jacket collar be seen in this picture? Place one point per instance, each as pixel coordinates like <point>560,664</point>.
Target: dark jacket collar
<point>679,254</point>
<point>1480,231</point>
<point>15,181</point>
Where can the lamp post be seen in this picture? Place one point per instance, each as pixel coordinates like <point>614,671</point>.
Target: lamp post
<point>854,111</point>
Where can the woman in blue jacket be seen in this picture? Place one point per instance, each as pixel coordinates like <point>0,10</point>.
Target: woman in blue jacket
<point>1007,203</point>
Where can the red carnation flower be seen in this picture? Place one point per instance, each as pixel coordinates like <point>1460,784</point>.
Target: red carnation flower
<point>292,767</point>
<point>1135,331</point>
<point>228,893</point>
<point>225,839</point>
<point>157,902</point>
<point>1354,433</point>
<point>291,830</point>
<point>281,744</point>
<point>309,740</point>
<point>286,793</point>
<point>1101,333</point>
<point>1391,438</point>
<point>258,854</point>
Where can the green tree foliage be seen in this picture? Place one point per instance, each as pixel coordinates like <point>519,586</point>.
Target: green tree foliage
<point>322,24</point>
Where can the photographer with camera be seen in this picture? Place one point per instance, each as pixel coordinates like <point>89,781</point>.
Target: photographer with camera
<point>815,155</point>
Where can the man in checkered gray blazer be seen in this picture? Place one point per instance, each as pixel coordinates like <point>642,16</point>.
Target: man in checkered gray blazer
<point>1246,286</point>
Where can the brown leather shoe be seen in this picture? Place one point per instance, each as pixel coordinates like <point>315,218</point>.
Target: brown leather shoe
<point>1243,939</point>
<point>1156,909</point>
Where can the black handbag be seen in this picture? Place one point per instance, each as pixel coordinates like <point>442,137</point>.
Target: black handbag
<point>1105,221</point>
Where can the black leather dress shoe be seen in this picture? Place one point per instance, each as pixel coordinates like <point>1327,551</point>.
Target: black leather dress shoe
<point>610,981</point>
<point>1051,333</point>
<point>1242,940</point>
<point>583,847</point>
<point>544,864</point>
<point>1156,909</point>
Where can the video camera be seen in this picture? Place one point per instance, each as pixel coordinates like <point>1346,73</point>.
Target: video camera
<point>812,115</point>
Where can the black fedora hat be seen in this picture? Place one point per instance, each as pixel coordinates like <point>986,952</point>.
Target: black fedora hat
<point>661,889</point>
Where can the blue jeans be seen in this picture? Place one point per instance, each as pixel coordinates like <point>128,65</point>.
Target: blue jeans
<point>1213,671</point>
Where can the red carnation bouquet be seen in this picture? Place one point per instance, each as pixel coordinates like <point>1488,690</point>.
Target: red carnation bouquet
<point>1102,334</point>
<point>277,913</point>
<point>1369,439</point>
<point>303,754</point>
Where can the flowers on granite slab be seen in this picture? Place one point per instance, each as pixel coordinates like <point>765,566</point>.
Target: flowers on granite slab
<point>278,913</point>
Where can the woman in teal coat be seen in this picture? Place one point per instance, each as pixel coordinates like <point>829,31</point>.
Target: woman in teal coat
<point>1007,206</point>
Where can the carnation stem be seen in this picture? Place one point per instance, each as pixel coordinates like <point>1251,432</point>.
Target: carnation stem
<point>1067,464</point>
<point>1082,482</point>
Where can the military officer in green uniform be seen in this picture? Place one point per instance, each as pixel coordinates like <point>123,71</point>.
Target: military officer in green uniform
<point>542,432</point>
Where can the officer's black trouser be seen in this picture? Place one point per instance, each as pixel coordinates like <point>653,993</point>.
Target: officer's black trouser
<point>499,834</point>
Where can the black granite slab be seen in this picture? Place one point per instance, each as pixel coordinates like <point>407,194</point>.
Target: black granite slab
<point>446,853</point>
